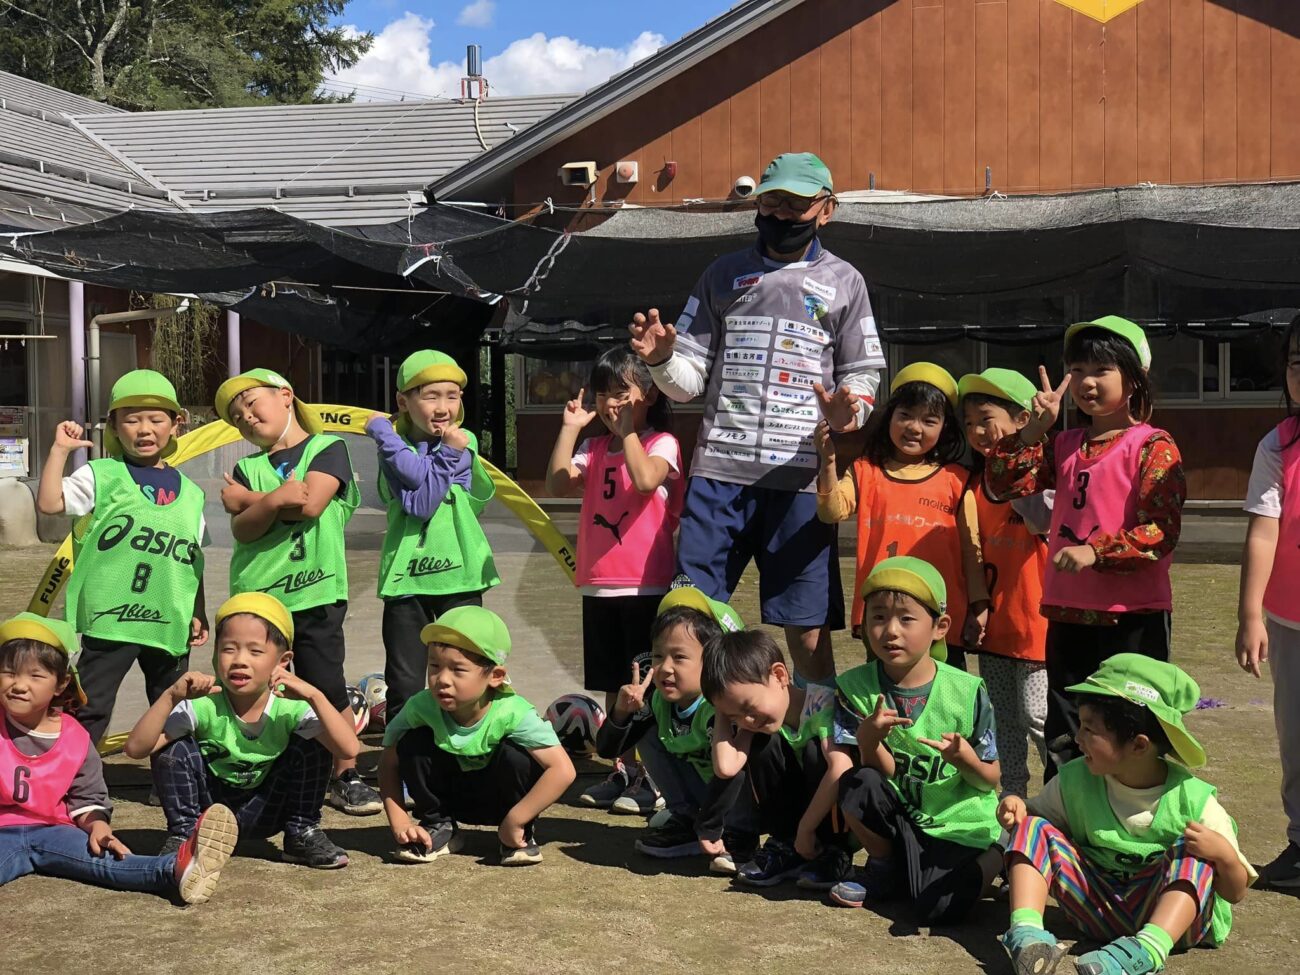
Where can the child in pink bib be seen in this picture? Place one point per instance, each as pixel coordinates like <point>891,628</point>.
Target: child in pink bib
<point>632,489</point>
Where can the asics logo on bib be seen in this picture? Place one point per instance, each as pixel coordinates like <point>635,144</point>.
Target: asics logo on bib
<point>179,549</point>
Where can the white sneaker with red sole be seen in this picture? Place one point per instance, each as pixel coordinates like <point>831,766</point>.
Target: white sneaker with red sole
<point>205,852</point>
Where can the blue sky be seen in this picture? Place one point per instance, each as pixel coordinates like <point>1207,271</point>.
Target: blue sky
<point>538,45</point>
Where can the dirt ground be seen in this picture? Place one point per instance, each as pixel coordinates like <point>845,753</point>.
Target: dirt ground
<point>595,904</point>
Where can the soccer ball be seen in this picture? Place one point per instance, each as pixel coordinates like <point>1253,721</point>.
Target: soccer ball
<point>576,718</point>
<point>360,709</point>
<point>375,690</point>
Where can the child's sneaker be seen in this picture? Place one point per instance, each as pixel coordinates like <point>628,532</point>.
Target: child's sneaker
<point>832,865</point>
<point>1123,956</point>
<point>740,848</point>
<point>775,862</point>
<point>349,793</point>
<point>675,838</point>
<point>524,856</point>
<point>202,855</point>
<point>640,798</point>
<point>877,884</point>
<point>445,838</point>
<point>1032,950</point>
<point>313,848</point>
<point>602,794</point>
<point>1284,872</point>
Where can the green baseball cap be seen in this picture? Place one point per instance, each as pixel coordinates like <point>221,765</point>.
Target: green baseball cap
<point>475,630</point>
<point>54,632</point>
<point>308,418</point>
<point>1004,384</point>
<point>920,580</point>
<point>692,598</point>
<point>797,173</point>
<point>1129,331</point>
<point>140,389</point>
<point>1162,688</point>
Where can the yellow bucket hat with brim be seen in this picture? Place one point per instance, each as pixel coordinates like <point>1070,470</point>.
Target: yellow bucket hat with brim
<point>308,418</point>
<point>261,604</point>
<point>474,630</point>
<point>56,633</point>
<point>918,579</point>
<point>692,598</point>
<point>1004,384</point>
<point>428,366</point>
<point>927,372</point>
<point>1162,688</point>
<point>140,389</point>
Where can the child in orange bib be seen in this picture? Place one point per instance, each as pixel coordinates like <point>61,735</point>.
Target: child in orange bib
<point>910,494</point>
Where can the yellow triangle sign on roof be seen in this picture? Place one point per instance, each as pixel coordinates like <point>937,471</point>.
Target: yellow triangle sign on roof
<point>1102,10</point>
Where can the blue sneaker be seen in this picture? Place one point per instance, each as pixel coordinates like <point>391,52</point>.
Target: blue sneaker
<point>774,862</point>
<point>877,884</point>
<point>832,865</point>
<point>1033,951</point>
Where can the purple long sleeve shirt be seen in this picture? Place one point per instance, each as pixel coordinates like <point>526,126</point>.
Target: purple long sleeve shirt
<point>420,479</point>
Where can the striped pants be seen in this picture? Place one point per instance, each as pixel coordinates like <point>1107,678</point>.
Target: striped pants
<point>1105,906</point>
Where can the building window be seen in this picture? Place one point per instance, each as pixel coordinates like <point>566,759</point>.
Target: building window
<point>549,382</point>
<point>1025,359</point>
<point>1177,372</point>
<point>958,357</point>
<point>1254,365</point>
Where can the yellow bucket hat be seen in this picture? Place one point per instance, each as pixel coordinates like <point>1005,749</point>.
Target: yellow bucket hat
<point>261,604</point>
<point>927,372</point>
<point>428,366</point>
<point>920,580</point>
<point>56,633</point>
<point>308,418</point>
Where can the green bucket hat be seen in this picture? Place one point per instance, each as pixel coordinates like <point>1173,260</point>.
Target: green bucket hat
<point>474,630</point>
<point>920,580</point>
<point>428,366</point>
<point>1162,688</point>
<point>797,173</point>
<point>693,598</point>
<point>140,388</point>
<point>308,418</point>
<point>57,633</point>
<point>1128,331</point>
<point>1004,384</point>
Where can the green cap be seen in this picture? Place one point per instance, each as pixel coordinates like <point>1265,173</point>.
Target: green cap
<point>1129,331</point>
<point>308,418</point>
<point>693,598</point>
<point>797,173</point>
<point>473,629</point>
<point>429,366</point>
<point>142,389</point>
<point>920,580</point>
<point>1004,384</point>
<point>54,632</point>
<point>1162,688</point>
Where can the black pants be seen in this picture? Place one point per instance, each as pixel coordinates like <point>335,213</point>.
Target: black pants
<point>406,659</point>
<point>943,879</point>
<point>102,666</point>
<point>1074,652</point>
<point>443,792</point>
<point>319,649</point>
<point>783,787</point>
<point>289,798</point>
<point>615,631</point>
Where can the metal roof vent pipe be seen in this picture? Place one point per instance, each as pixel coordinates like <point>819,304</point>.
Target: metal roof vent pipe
<point>473,85</point>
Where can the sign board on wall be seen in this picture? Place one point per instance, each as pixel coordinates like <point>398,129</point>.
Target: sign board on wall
<point>1102,10</point>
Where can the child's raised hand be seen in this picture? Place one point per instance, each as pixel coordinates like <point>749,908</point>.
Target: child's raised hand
<point>631,697</point>
<point>838,408</point>
<point>953,747</point>
<point>288,685</point>
<point>825,445</point>
<point>652,339</point>
<point>69,435</point>
<point>455,437</point>
<point>412,834</point>
<point>191,685</point>
<point>1047,406</point>
<point>1012,812</point>
<point>876,726</point>
<point>575,413</point>
<point>1252,645</point>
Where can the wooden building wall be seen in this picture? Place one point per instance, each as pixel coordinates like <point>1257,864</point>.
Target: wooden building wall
<point>925,94</point>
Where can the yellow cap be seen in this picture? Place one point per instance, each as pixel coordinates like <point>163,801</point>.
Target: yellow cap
<point>261,604</point>
<point>53,632</point>
<point>308,418</point>
<point>927,372</point>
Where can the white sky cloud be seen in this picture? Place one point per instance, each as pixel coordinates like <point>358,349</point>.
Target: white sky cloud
<point>400,59</point>
<point>477,14</point>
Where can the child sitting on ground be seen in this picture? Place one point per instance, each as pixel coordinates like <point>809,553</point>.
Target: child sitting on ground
<point>665,713</point>
<point>923,804</point>
<point>468,749</point>
<point>779,734</point>
<point>1133,847</point>
<point>54,805</point>
<point>250,738</point>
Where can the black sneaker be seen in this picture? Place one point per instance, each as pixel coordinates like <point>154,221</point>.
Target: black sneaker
<point>350,794</point>
<point>741,847</point>
<point>313,848</point>
<point>445,837</point>
<point>171,845</point>
<point>775,862</point>
<point>832,865</point>
<point>675,838</point>
<point>1284,872</point>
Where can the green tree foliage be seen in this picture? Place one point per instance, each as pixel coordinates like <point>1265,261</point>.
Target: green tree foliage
<point>161,54</point>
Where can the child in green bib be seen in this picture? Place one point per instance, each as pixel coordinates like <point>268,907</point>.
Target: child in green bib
<point>256,737</point>
<point>468,749</point>
<point>289,504</point>
<point>923,802</point>
<point>1136,850</point>
<point>779,734</point>
<point>136,592</point>
<point>435,555</point>
<point>664,715</point>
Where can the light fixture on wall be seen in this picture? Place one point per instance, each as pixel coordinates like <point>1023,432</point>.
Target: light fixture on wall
<point>627,171</point>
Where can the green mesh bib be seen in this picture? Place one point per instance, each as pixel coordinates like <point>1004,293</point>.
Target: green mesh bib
<point>696,745</point>
<point>233,757</point>
<point>472,747</point>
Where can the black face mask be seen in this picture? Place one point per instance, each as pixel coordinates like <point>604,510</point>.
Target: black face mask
<point>784,236</point>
